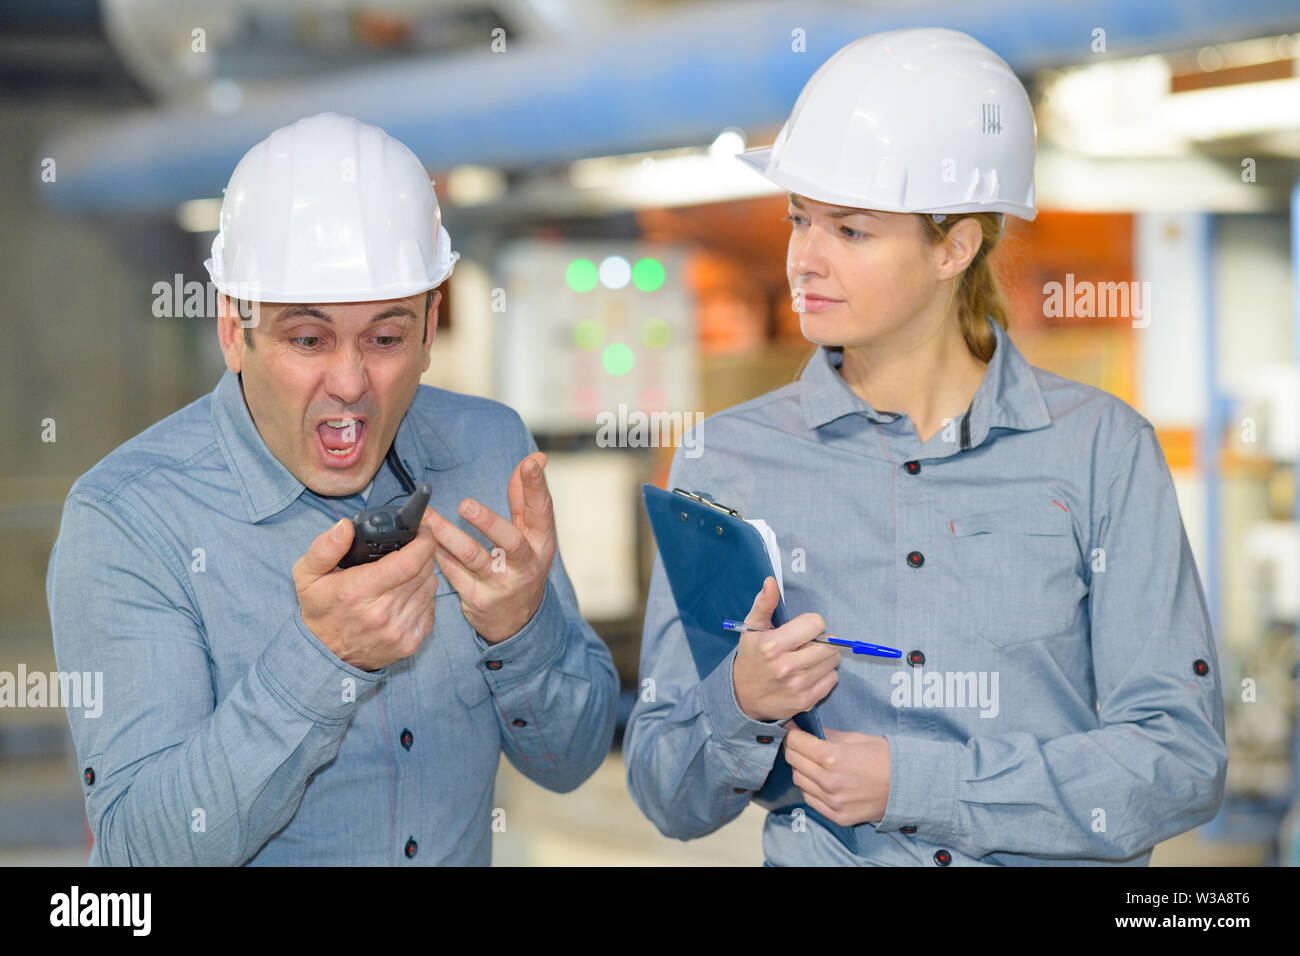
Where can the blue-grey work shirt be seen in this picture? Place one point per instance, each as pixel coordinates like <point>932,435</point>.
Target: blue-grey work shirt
<point>230,734</point>
<point>1058,699</point>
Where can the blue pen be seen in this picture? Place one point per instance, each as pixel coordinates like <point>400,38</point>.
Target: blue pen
<point>858,647</point>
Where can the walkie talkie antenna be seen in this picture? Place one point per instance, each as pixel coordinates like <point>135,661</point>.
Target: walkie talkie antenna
<point>413,510</point>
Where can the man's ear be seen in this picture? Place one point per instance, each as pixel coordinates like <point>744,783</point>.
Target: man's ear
<point>230,333</point>
<point>431,318</point>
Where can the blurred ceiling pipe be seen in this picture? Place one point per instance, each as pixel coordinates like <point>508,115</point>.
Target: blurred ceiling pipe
<point>673,79</point>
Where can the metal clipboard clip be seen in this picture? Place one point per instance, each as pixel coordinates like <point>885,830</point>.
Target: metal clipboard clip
<point>707,501</point>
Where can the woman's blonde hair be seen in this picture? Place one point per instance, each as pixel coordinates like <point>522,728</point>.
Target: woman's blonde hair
<point>977,292</point>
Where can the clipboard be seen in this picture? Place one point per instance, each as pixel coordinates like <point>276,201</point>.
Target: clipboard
<point>716,562</point>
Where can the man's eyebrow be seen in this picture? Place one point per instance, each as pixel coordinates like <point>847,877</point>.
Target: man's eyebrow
<point>295,311</point>
<point>839,212</point>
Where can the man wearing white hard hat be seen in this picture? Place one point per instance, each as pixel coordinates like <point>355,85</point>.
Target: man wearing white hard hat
<point>268,699</point>
<point>1012,535</point>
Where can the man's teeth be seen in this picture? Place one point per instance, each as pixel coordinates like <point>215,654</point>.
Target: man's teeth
<point>348,427</point>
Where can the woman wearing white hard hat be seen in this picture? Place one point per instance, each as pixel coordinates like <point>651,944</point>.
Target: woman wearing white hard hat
<point>1012,534</point>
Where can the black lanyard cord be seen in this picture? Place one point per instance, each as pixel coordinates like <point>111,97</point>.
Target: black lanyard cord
<point>395,463</point>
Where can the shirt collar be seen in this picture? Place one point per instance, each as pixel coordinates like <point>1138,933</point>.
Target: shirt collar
<point>1008,396</point>
<point>266,486</point>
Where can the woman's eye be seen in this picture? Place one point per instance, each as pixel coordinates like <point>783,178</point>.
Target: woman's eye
<point>794,219</point>
<point>853,233</point>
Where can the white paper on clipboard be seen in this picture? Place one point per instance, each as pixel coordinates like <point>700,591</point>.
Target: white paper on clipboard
<point>773,551</point>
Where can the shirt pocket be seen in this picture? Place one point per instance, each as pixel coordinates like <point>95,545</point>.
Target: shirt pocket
<point>1020,573</point>
<point>456,637</point>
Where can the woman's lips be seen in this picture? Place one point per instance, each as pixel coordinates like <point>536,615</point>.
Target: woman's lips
<point>817,303</point>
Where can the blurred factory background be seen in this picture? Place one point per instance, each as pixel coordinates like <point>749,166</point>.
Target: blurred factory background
<point>615,254</point>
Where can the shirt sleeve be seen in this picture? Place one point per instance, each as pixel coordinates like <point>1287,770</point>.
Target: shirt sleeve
<point>694,758</point>
<point>1156,765</point>
<point>170,775</point>
<point>554,686</point>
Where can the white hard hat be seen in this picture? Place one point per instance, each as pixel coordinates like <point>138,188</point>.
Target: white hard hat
<point>921,120</point>
<point>329,209</point>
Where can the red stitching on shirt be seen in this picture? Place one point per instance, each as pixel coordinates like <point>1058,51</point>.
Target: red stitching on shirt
<point>1059,505</point>
<point>950,527</point>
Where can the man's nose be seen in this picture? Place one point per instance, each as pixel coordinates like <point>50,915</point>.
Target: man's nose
<point>347,379</point>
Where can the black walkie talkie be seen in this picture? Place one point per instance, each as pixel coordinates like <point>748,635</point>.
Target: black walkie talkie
<point>382,530</point>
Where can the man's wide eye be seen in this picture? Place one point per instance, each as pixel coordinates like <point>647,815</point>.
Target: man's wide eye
<point>308,341</point>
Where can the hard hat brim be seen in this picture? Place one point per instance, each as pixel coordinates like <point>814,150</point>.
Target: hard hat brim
<point>759,159</point>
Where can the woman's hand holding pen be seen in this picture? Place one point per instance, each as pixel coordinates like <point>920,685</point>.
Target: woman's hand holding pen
<point>780,672</point>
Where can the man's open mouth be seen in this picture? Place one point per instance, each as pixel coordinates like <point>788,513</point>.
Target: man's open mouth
<point>341,439</point>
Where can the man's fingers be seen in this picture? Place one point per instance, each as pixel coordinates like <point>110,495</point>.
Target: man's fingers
<point>497,529</point>
<point>458,576</point>
<point>324,554</point>
<point>460,545</point>
<point>414,608</point>
<point>538,511</point>
<point>406,564</point>
<point>403,590</point>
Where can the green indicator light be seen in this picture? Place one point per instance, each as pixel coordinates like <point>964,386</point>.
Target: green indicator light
<point>617,359</point>
<point>656,333</point>
<point>648,275</point>
<point>581,275</point>
<point>588,335</point>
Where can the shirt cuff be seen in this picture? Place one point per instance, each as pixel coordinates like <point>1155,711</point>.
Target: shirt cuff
<point>757,741</point>
<point>922,787</point>
<point>536,646</point>
<point>310,678</point>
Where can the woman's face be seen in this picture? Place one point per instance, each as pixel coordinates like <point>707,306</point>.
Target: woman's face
<point>858,277</point>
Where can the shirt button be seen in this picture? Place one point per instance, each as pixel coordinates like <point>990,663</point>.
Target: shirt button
<point>915,658</point>
<point>913,467</point>
<point>915,559</point>
<point>493,665</point>
<point>942,857</point>
<point>763,740</point>
<point>909,830</point>
<point>1200,667</point>
<point>407,739</point>
<point>90,776</point>
<point>411,847</point>
<point>518,722</point>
